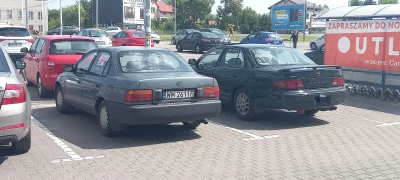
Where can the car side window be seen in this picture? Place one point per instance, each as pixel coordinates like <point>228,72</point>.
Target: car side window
<point>251,36</point>
<point>118,35</point>
<point>123,35</point>
<point>210,58</point>
<point>189,36</point>
<point>100,63</point>
<point>197,35</point>
<point>233,58</point>
<point>33,46</point>
<point>80,33</point>
<point>323,37</point>
<point>39,47</point>
<point>84,64</point>
<point>259,35</point>
<point>85,33</point>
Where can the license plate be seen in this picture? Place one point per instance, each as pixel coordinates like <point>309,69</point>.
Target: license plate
<point>101,42</point>
<point>322,100</point>
<point>178,94</point>
<point>14,44</point>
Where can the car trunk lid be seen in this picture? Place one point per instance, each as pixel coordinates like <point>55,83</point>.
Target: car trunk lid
<point>55,63</point>
<point>3,83</point>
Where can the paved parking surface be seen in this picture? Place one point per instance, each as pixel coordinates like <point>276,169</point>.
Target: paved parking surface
<point>358,141</point>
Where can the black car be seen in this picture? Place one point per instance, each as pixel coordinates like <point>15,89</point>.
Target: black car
<point>135,86</point>
<point>66,30</point>
<point>217,32</point>
<point>256,77</point>
<point>317,56</point>
<point>199,42</point>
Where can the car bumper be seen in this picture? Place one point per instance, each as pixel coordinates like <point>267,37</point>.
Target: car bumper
<point>12,115</point>
<point>157,40</point>
<point>302,100</point>
<point>164,113</point>
<point>105,45</point>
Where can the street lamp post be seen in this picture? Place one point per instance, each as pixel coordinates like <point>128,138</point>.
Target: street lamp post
<point>26,14</point>
<point>42,18</point>
<point>22,12</point>
<point>147,22</point>
<point>175,17</point>
<point>97,14</point>
<point>79,15</point>
<point>61,21</point>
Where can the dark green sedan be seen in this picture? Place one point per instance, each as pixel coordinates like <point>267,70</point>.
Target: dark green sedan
<point>256,77</point>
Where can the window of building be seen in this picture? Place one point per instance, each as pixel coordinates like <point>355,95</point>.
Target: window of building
<point>40,28</point>
<point>9,14</point>
<point>153,10</point>
<point>31,15</point>
<point>40,15</point>
<point>19,14</point>
<point>31,27</point>
<point>141,13</point>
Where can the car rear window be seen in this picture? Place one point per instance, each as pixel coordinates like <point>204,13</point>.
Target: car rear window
<point>273,35</point>
<point>138,34</point>
<point>268,56</point>
<point>152,61</point>
<point>71,46</point>
<point>3,63</point>
<point>14,32</point>
<point>97,33</point>
<point>209,35</point>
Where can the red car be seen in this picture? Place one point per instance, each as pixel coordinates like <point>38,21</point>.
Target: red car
<point>48,55</point>
<point>130,38</point>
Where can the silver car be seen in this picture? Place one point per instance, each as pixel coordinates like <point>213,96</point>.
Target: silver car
<point>15,105</point>
<point>100,36</point>
<point>181,34</point>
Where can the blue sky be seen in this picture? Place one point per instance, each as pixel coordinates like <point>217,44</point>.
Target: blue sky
<point>261,6</point>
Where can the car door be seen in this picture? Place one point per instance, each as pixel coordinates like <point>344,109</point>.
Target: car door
<point>229,71</point>
<point>123,38</point>
<point>249,39</point>
<point>114,40</point>
<point>192,40</point>
<point>38,60</point>
<point>185,41</point>
<point>28,61</point>
<point>260,38</point>
<point>92,82</point>
<point>207,62</point>
<point>73,83</point>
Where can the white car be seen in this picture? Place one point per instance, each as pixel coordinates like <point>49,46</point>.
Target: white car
<point>13,38</point>
<point>112,30</point>
<point>100,36</point>
<point>317,43</point>
<point>155,37</point>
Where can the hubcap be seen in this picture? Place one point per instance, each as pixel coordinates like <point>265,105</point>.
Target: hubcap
<point>197,49</point>
<point>313,46</point>
<point>179,46</point>
<point>59,99</point>
<point>242,104</point>
<point>39,85</point>
<point>104,118</point>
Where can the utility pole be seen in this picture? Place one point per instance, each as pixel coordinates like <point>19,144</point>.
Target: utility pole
<point>305,20</point>
<point>26,15</point>
<point>147,22</point>
<point>175,17</point>
<point>22,12</point>
<point>79,15</point>
<point>61,21</point>
<point>97,14</point>
<point>42,18</point>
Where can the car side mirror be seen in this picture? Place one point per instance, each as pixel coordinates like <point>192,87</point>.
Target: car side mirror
<point>69,68</point>
<point>192,61</point>
<point>24,50</point>
<point>20,64</point>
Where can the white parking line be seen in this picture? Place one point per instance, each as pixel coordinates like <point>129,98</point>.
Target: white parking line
<point>253,136</point>
<point>389,124</point>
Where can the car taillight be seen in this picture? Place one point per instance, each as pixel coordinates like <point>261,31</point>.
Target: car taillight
<point>15,126</point>
<point>30,40</point>
<point>14,94</point>
<point>268,40</point>
<point>211,92</point>
<point>138,96</point>
<point>289,84</point>
<point>338,81</point>
<point>205,40</point>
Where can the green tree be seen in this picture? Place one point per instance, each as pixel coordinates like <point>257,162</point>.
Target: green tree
<point>189,12</point>
<point>229,13</point>
<point>326,6</point>
<point>248,21</point>
<point>87,5</point>
<point>54,18</point>
<point>356,3</point>
<point>70,15</point>
<point>265,22</point>
<point>389,1</point>
<point>369,2</point>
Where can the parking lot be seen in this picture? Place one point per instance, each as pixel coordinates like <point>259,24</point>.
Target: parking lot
<point>357,141</point>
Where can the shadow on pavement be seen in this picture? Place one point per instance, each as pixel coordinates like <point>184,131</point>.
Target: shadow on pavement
<point>2,158</point>
<point>271,120</point>
<point>374,104</point>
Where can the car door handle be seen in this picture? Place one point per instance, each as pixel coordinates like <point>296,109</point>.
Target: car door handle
<point>236,77</point>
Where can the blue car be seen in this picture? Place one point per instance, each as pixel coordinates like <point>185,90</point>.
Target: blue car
<point>263,38</point>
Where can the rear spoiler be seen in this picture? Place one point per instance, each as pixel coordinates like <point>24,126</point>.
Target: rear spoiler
<point>310,67</point>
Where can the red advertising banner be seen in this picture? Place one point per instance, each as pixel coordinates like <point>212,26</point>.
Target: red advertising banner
<point>371,44</point>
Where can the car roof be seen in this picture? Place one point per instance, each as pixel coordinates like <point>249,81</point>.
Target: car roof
<point>248,46</point>
<point>8,26</point>
<point>65,37</point>
<point>132,48</point>
<point>90,29</point>
<point>266,32</point>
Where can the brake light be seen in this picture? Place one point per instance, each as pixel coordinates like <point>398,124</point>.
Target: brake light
<point>289,84</point>
<point>31,40</point>
<point>14,94</point>
<point>268,40</point>
<point>15,126</point>
<point>205,40</point>
<point>338,81</point>
<point>138,96</point>
<point>211,92</point>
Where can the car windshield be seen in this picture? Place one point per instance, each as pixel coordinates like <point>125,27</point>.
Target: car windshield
<point>72,46</point>
<point>97,33</point>
<point>3,63</point>
<point>273,35</point>
<point>152,61</point>
<point>267,56</point>
<point>111,29</point>
<point>138,34</point>
<point>217,31</point>
<point>209,35</point>
<point>14,32</point>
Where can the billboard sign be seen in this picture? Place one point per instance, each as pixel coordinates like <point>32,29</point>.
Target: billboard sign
<point>372,44</point>
<point>133,11</point>
<point>317,23</point>
<point>290,17</point>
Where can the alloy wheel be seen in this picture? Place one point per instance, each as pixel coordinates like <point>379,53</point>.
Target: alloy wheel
<point>39,85</point>
<point>104,118</point>
<point>243,104</point>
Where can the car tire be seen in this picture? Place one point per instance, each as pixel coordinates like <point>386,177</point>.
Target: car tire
<point>42,91</point>
<point>311,112</point>
<point>107,125</point>
<point>124,44</point>
<point>62,106</point>
<point>243,105</point>
<point>313,46</point>
<point>23,145</point>
<point>179,47</point>
<point>191,125</point>
<point>197,49</point>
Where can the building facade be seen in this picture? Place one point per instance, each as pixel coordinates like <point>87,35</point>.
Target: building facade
<point>12,12</point>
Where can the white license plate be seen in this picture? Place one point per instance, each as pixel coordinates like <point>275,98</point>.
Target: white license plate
<point>178,94</point>
<point>14,44</point>
<point>101,42</point>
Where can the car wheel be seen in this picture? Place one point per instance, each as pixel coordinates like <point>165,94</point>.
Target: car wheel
<point>106,124</point>
<point>179,48</point>
<point>310,112</point>
<point>197,49</point>
<point>42,91</point>
<point>243,105</point>
<point>74,34</point>
<point>54,33</point>
<point>313,46</point>
<point>173,41</point>
<point>191,125</point>
<point>23,145</point>
<point>62,106</point>
<point>124,44</point>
